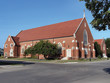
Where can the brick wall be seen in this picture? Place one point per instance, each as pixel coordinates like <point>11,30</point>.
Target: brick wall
<point>7,49</point>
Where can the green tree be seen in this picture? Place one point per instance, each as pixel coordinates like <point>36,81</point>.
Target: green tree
<point>45,48</point>
<point>107,41</point>
<point>31,51</point>
<point>100,10</point>
<point>98,51</point>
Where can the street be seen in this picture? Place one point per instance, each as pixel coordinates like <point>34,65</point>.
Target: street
<point>86,72</point>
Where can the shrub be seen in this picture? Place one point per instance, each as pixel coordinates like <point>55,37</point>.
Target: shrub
<point>45,48</point>
<point>107,41</point>
<point>98,51</point>
<point>99,57</point>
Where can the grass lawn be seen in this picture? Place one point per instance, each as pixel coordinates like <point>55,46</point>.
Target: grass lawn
<point>52,61</point>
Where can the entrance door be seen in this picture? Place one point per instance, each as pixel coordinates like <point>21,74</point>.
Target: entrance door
<point>68,53</point>
<point>11,52</point>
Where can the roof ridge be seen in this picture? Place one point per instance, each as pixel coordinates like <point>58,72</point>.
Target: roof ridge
<point>62,29</point>
<point>18,33</point>
<point>48,25</point>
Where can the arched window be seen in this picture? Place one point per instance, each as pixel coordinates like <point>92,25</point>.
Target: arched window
<point>22,49</point>
<point>11,52</point>
<point>6,46</point>
<point>60,48</point>
<point>11,45</point>
<point>8,39</point>
<point>5,54</point>
<point>104,47</point>
<point>85,37</point>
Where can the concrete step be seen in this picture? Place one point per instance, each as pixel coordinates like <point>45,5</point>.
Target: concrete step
<point>65,58</point>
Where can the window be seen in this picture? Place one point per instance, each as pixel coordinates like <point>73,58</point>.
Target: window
<point>11,45</point>
<point>5,54</point>
<point>86,51</point>
<point>8,39</point>
<point>22,50</point>
<point>85,24</point>
<point>103,47</point>
<point>6,46</point>
<point>11,52</point>
<point>60,48</point>
<point>85,37</point>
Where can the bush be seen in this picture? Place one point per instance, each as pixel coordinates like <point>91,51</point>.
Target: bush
<point>45,48</point>
<point>98,51</point>
<point>107,41</point>
<point>99,57</point>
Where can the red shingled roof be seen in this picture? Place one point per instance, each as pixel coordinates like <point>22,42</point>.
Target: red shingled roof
<point>16,40</point>
<point>99,41</point>
<point>62,29</point>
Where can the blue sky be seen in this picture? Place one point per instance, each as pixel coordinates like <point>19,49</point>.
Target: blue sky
<point>17,15</point>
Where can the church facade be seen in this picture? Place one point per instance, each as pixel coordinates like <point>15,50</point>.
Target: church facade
<point>74,37</point>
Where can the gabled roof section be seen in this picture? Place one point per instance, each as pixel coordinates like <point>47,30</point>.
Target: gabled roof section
<point>63,29</point>
<point>16,40</point>
<point>99,41</point>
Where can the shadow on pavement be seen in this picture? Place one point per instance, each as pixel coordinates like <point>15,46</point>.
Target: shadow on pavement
<point>4,62</point>
<point>107,70</point>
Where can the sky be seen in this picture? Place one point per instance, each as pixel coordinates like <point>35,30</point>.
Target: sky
<point>17,15</point>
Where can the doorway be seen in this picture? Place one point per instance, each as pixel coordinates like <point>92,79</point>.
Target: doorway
<point>68,53</point>
<point>11,52</point>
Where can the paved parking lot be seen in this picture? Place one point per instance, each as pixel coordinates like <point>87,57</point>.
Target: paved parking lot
<point>94,72</point>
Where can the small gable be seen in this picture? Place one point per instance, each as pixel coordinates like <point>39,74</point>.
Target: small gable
<point>99,41</point>
<point>9,40</point>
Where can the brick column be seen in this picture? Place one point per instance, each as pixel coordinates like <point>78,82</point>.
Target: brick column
<point>82,50</point>
<point>72,52</point>
<point>89,54</point>
<point>73,47</point>
<point>94,52</point>
<point>76,51</point>
<point>63,49</point>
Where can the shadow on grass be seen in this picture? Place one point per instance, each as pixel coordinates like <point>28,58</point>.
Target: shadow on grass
<point>107,70</point>
<point>4,62</point>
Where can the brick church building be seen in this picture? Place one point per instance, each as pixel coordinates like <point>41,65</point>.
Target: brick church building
<point>74,37</point>
<point>102,44</point>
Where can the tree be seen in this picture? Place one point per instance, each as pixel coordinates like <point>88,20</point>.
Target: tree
<point>100,10</point>
<point>45,48</point>
<point>107,41</point>
<point>31,51</point>
<point>98,51</point>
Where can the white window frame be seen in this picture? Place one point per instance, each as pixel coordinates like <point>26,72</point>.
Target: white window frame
<point>60,46</point>
<point>8,39</point>
<point>103,47</point>
<point>5,54</point>
<point>86,51</point>
<point>6,45</point>
<point>84,24</point>
<point>83,37</point>
<point>22,49</point>
<point>11,45</point>
<point>11,52</point>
